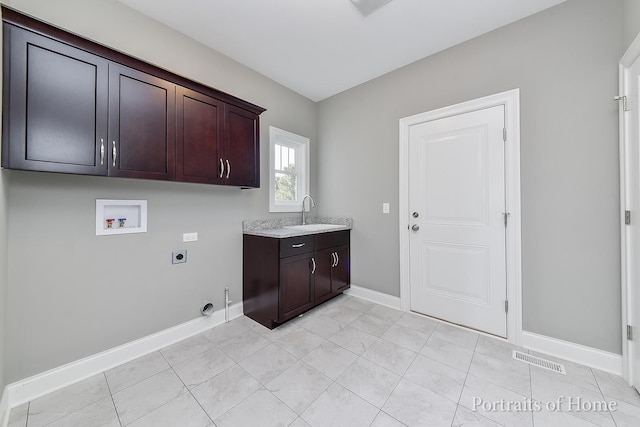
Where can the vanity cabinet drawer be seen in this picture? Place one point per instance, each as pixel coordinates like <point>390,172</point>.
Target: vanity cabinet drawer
<point>329,240</point>
<point>296,245</point>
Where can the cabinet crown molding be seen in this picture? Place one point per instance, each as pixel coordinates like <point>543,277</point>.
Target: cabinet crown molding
<point>19,19</point>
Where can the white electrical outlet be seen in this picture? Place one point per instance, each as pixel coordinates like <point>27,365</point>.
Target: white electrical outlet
<point>385,208</point>
<point>189,237</point>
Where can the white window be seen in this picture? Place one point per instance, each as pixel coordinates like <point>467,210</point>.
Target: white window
<point>289,170</point>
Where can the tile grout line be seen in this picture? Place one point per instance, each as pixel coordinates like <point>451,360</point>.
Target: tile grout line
<point>401,376</point>
<point>347,388</point>
<point>186,387</point>
<point>298,359</point>
<point>137,382</point>
<point>358,357</point>
<point>66,414</point>
<point>475,351</point>
<point>264,386</point>
<point>475,347</point>
<point>115,408</point>
<point>156,374</point>
<point>603,395</point>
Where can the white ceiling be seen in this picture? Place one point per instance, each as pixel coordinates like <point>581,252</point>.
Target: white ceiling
<point>322,47</point>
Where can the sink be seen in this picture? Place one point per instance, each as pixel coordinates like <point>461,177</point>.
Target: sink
<point>313,227</point>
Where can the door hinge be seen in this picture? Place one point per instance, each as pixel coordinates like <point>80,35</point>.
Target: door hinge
<point>623,98</point>
<point>627,217</point>
<point>504,134</point>
<point>506,218</point>
<point>629,333</point>
<point>506,306</point>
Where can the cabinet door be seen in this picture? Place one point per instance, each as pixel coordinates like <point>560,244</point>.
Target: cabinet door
<point>141,125</point>
<point>324,266</point>
<point>199,138</point>
<point>296,286</point>
<point>241,147</point>
<point>55,105</point>
<point>341,272</point>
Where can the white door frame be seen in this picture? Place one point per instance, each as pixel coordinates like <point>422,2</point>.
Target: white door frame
<point>630,56</point>
<point>511,101</point>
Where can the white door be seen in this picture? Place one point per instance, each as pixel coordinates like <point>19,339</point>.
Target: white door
<point>632,203</point>
<point>457,203</point>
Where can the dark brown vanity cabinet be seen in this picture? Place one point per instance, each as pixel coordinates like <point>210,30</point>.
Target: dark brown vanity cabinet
<point>73,106</point>
<point>296,287</point>
<point>283,278</point>
<point>332,272</point>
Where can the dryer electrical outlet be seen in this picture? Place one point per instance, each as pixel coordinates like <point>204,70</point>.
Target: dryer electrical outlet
<point>179,257</point>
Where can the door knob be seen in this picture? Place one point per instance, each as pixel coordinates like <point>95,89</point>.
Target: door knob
<point>416,214</point>
<point>415,227</point>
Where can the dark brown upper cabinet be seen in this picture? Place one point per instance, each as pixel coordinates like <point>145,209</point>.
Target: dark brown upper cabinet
<point>199,155</point>
<point>216,142</point>
<point>142,123</point>
<point>241,142</point>
<point>73,106</point>
<point>55,106</point>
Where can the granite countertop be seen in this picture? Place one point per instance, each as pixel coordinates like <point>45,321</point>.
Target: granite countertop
<point>275,227</point>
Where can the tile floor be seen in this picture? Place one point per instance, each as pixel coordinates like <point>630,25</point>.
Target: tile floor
<point>347,363</point>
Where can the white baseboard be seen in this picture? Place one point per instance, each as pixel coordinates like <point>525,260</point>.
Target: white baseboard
<point>374,296</point>
<point>589,356</point>
<point>38,385</point>
<point>4,409</point>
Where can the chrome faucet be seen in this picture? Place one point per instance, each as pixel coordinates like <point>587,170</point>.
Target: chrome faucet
<point>313,203</point>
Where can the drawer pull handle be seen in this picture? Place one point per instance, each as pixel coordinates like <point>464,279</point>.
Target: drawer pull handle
<point>313,268</point>
<point>298,245</point>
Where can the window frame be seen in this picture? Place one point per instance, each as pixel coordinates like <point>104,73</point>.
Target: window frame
<point>301,145</point>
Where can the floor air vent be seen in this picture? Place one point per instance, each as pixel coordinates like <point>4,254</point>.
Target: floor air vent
<point>537,361</point>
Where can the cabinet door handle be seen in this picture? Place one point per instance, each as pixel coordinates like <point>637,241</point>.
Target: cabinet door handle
<point>313,268</point>
<point>101,151</point>
<point>337,259</point>
<point>228,168</point>
<point>115,154</point>
<point>333,259</point>
<point>221,168</point>
<point>298,245</point>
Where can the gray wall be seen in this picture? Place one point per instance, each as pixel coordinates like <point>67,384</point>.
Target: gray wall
<point>564,60</point>
<point>73,294</point>
<point>3,272</point>
<point>4,223</point>
<point>630,21</point>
